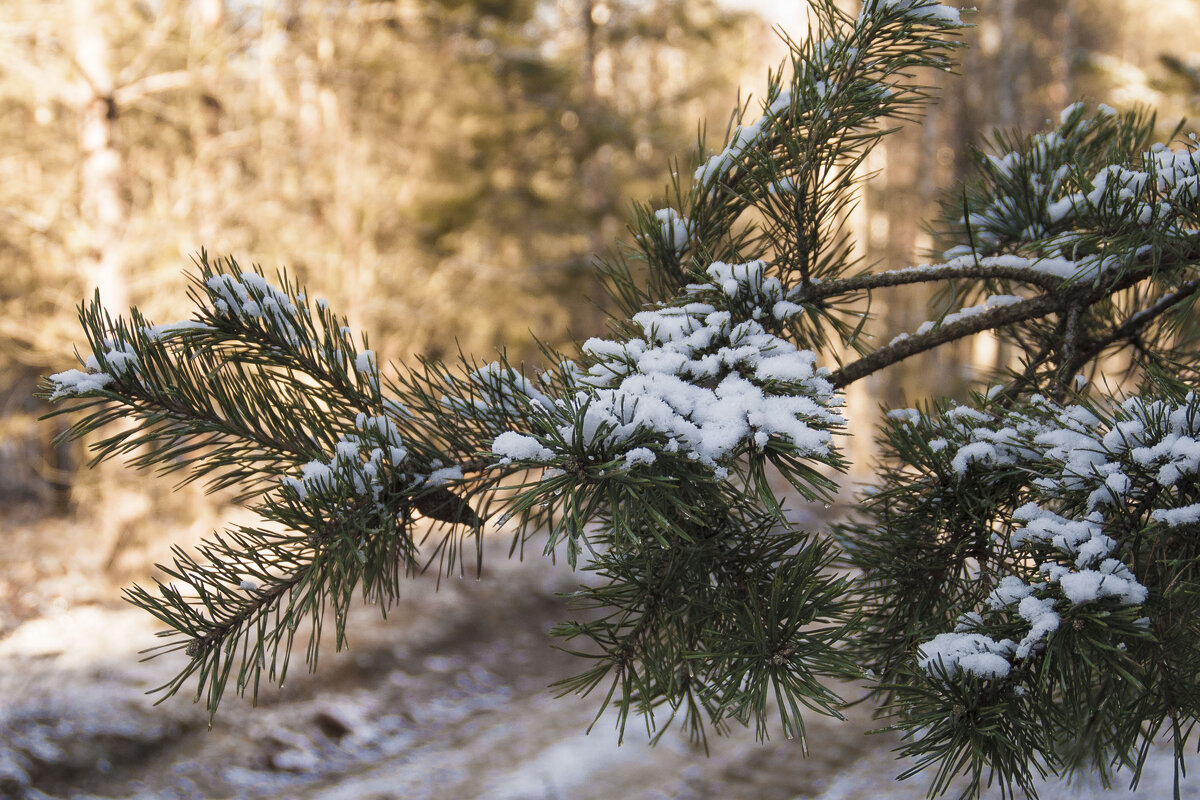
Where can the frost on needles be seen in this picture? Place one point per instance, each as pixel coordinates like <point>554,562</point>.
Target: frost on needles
<point>1018,589</point>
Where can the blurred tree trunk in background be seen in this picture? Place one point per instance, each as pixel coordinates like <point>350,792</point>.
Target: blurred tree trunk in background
<point>102,208</point>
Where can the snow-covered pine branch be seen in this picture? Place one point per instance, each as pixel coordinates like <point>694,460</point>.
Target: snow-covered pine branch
<point>1022,571</point>
<point>1023,577</point>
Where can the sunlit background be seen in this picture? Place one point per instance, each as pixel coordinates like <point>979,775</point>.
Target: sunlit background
<point>444,172</point>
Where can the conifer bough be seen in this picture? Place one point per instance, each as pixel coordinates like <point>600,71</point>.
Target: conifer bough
<point>1019,590</point>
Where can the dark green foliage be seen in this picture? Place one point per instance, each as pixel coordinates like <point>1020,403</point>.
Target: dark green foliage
<point>937,541</point>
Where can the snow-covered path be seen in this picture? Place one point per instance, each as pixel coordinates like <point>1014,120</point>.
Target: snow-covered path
<point>445,700</point>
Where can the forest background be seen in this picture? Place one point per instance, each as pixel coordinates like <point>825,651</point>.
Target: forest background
<point>443,171</point>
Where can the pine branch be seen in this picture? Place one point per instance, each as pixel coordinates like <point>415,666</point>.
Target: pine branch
<point>1023,577</point>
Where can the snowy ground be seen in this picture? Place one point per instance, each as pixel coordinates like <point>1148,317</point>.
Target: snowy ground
<point>446,699</point>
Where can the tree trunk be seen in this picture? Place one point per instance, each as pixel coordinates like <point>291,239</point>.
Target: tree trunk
<point>102,204</point>
<point>1062,90</point>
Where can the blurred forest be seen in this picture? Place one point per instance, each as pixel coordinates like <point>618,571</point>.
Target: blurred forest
<point>444,172</point>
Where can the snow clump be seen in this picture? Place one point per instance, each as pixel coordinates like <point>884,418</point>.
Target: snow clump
<point>676,230</point>
<point>253,297</point>
<point>923,10</point>
<point>120,359</point>
<point>705,379</point>
<point>359,464</point>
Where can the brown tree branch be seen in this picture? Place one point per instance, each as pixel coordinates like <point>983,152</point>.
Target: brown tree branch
<point>1031,308</point>
<point>1075,294</point>
<point>815,292</point>
<point>153,84</point>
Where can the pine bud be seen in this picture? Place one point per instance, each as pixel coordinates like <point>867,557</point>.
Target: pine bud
<point>446,506</point>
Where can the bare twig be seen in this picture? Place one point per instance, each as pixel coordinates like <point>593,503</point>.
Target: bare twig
<point>1132,327</point>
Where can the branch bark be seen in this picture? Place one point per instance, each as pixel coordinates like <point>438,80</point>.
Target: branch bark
<point>816,292</point>
<point>1032,308</point>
